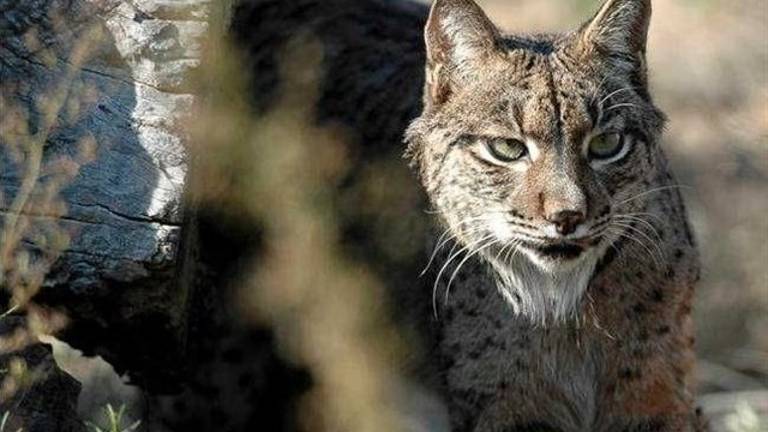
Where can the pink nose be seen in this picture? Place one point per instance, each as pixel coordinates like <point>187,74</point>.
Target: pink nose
<point>566,221</point>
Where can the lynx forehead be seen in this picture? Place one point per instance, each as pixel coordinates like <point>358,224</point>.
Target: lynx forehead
<point>532,147</point>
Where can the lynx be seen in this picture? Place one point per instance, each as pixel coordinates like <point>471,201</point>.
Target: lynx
<point>558,297</point>
<point>541,155</point>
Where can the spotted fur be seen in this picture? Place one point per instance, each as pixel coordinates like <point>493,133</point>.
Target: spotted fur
<point>592,329</point>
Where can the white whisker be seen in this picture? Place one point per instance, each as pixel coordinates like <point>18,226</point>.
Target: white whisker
<point>442,241</point>
<point>620,105</point>
<point>642,221</point>
<point>447,263</point>
<point>623,233</point>
<point>640,214</point>
<point>598,88</point>
<point>466,258</point>
<point>650,191</point>
<point>659,252</point>
<point>600,104</point>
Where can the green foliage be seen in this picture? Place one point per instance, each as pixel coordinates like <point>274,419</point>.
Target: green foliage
<point>114,421</point>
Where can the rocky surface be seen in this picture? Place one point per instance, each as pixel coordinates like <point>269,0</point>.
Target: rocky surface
<point>93,99</point>
<point>125,98</point>
<point>38,396</point>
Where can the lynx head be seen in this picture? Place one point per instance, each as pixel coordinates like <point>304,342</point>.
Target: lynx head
<point>528,145</point>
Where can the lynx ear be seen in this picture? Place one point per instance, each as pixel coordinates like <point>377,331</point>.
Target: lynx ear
<point>619,30</point>
<point>459,36</point>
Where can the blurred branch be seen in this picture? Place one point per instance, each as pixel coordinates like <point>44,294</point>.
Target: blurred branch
<point>32,145</point>
<point>325,308</point>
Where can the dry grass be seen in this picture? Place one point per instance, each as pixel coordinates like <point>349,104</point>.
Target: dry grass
<point>31,237</point>
<point>282,171</point>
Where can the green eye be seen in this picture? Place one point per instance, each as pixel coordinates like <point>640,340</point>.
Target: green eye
<point>506,149</point>
<point>606,146</point>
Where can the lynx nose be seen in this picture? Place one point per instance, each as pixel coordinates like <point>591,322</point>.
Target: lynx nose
<point>566,221</point>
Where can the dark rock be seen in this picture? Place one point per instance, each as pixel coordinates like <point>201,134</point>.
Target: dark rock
<point>45,397</point>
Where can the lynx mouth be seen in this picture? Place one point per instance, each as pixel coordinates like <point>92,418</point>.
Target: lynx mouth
<point>559,251</point>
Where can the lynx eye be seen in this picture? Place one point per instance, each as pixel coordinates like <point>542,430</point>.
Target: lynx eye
<point>506,149</point>
<point>606,146</point>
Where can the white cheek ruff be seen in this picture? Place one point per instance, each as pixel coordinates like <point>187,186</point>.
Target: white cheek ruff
<point>541,292</point>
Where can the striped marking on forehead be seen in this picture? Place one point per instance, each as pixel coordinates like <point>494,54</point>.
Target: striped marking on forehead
<point>555,109</point>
